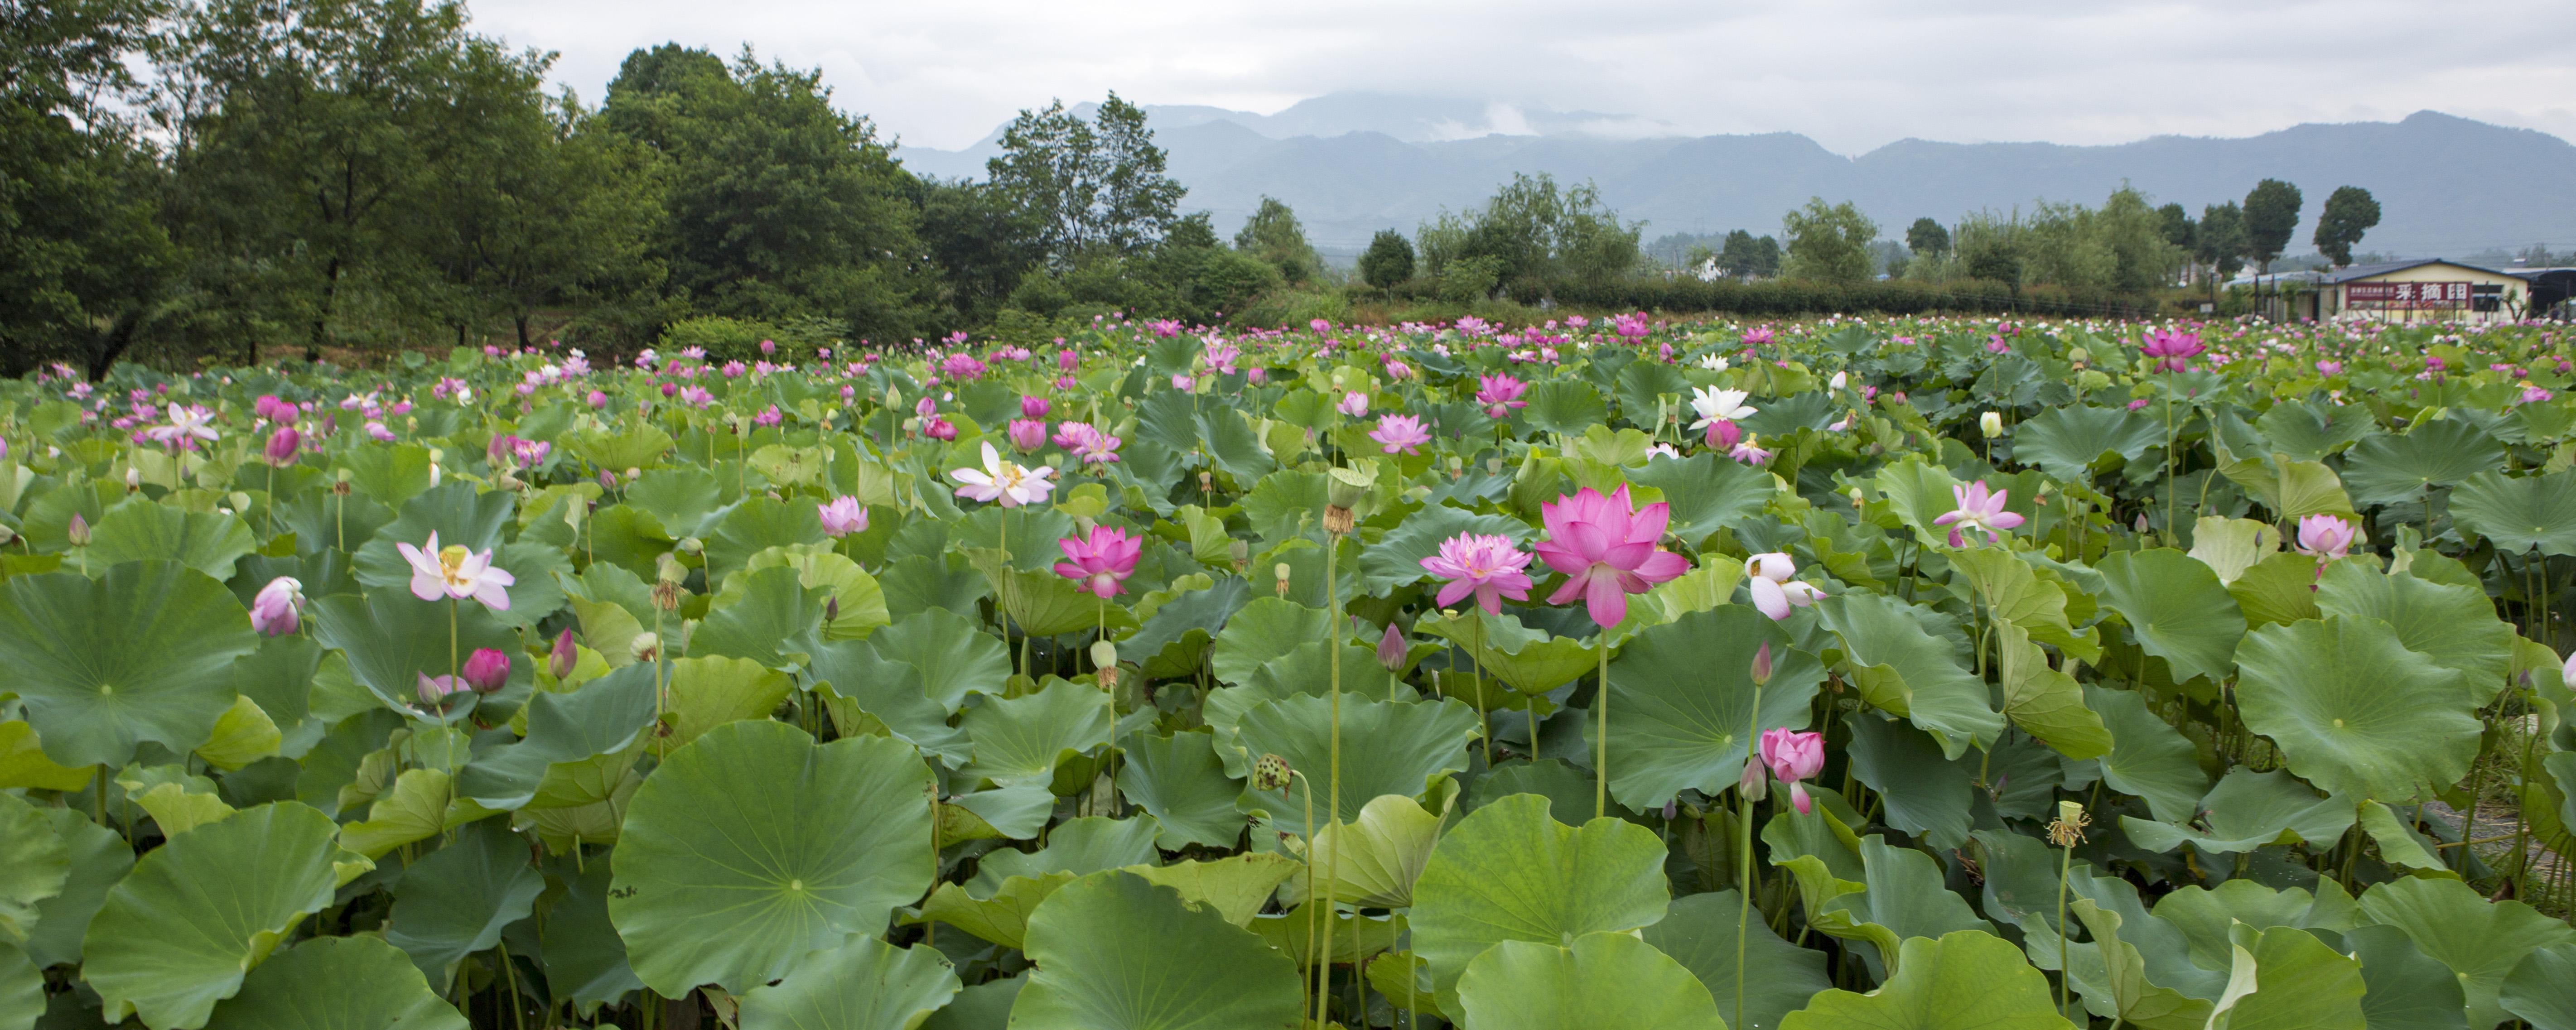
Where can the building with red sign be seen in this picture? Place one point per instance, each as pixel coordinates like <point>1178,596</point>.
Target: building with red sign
<point>2426,290</point>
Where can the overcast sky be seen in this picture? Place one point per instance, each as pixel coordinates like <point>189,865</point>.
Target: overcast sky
<point>1853,75</point>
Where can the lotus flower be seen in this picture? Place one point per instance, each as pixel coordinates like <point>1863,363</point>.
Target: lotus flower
<point>1100,562</point>
<point>486,670</point>
<point>1715,405</point>
<point>1606,548</point>
<point>2325,536</point>
<point>1486,566</point>
<point>2172,350</point>
<point>1034,407</point>
<point>565,655</point>
<point>1794,756</point>
<point>434,691</point>
<point>1979,509</point>
<point>1745,451</point>
<point>1354,404</point>
<point>279,607</point>
<point>1089,444</point>
<point>842,517</point>
<point>1003,481</point>
<point>1500,394</point>
<point>1391,649</point>
<point>456,573</point>
<point>1767,576</point>
<point>282,446</point>
<point>1028,434</point>
<point>1400,433</point>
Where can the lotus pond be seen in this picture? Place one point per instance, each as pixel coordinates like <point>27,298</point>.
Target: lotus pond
<point>1914,674</point>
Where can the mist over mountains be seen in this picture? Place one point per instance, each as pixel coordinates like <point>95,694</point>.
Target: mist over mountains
<point>1354,163</point>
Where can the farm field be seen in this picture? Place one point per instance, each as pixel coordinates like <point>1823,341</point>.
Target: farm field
<point>1909,673</point>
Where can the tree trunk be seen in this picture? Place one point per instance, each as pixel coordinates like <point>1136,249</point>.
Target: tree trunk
<point>322,316</point>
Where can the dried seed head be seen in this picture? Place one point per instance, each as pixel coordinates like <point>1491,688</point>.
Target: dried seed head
<point>1270,773</point>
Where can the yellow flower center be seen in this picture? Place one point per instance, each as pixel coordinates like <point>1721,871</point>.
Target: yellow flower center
<point>451,561</point>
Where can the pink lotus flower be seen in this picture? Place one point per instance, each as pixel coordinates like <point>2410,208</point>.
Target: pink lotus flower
<point>1083,441</point>
<point>1980,510</point>
<point>1354,404</point>
<point>1606,548</point>
<point>1500,394</point>
<point>1767,577</point>
<point>2172,350</point>
<point>1033,406</point>
<point>2325,536</point>
<point>279,607</point>
<point>486,671</point>
<point>1400,433</point>
<point>1028,434</point>
<point>768,416</point>
<point>1486,566</point>
<point>563,657</point>
<point>1794,756</point>
<point>1102,562</point>
<point>1065,360</point>
<point>2331,368</point>
<point>455,573</point>
<point>282,446</point>
<point>842,517</point>
<point>434,691</point>
<point>1724,434</point>
<point>1745,451</point>
<point>939,428</point>
<point>696,396</point>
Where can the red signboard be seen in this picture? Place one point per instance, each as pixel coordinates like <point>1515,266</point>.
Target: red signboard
<point>2407,295</point>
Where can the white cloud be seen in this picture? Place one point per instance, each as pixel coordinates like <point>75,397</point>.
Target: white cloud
<point>1853,74</point>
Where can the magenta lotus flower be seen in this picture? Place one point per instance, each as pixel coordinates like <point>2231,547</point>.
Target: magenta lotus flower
<point>842,517</point>
<point>565,655</point>
<point>1027,434</point>
<point>1034,406</point>
<point>1391,648</point>
<point>1606,548</point>
<point>279,607</point>
<point>282,446</point>
<point>1100,562</point>
<point>2172,350</point>
<point>1794,756</point>
<point>1724,434</point>
<point>486,670</point>
<point>456,573</point>
<point>1400,433</point>
<point>1486,566</point>
<point>2325,536</point>
<point>1353,404</point>
<point>1500,394</point>
<point>1979,510</point>
<point>1087,443</point>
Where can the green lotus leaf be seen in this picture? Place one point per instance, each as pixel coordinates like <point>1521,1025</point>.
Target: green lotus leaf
<point>863,984</point>
<point>2123,987</point>
<point>143,653</point>
<point>2537,989</point>
<point>1900,896</point>
<point>953,656</point>
<point>1918,492</point>
<point>2012,591</point>
<point>22,989</point>
<point>585,960</point>
<point>1374,861</point>
<point>2204,914</point>
<point>864,691</point>
<point>1017,812</point>
<point>176,810</point>
<point>777,621</point>
<point>1345,939</point>
<point>2148,757</point>
<point>2291,488</point>
<point>1966,980</point>
<point>209,542</point>
<point>2453,624</point>
<point>2071,441</point>
<point>2310,431</point>
<point>1707,493</point>
<point>1002,918</point>
<point>755,524</point>
<point>1180,780</point>
<point>1041,603</point>
<point>393,638</point>
<point>1604,979</point>
<point>1681,702</point>
<point>555,766</point>
<point>2519,513</point>
<point>454,902</point>
<point>2393,469</point>
<point>1699,931</point>
<point>1174,966</point>
<point>710,692</point>
<point>2405,989</point>
<point>35,863</point>
<point>1926,794</point>
<point>1567,788</point>
<point>2481,941</point>
<point>2231,546</point>
<point>98,860</point>
<point>2248,810</point>
<point>336,983</point>
<point>2356,712</point>
<point>2280,588</point>
<point>196,914</point>
<point>416,809</point>
<point>1529,660</point>
<point>753,845</point>
<point>2044,702</point>
<point>1176,635</point>
<point>1262,632</point>
<point>856,595</point>
<point>1237,886</point>
<point>1905,670</point>
<point>23,763</point>
<point>2400,845</point>
<point>2176,607</point>
<point>2285,977</point>
<point>684,500</point>
<point>1388,747</point>
<point>985,1006</point>
<point>1564,407</point>
<point>242,735</point>
<point>1510,871</point>
<point>1023,739</point>
<point>1081,846</point>
<point>391,474</point>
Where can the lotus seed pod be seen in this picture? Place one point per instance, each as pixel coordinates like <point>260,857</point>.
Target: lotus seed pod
<point>690,545</point>
<point>644,646</point>
<point>1270,773</point>
<point>1103,654</point>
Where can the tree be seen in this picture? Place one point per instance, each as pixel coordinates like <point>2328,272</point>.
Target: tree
<point>1745,256</point>
<point>1388,260</point>
<point>1927,237</point>
<point>982,242</point>
<point>1533,230</point>
<point>2350,211</point>
<point>1273,235</point>
<point>1829,243</point>
<point>1087,186</point>
<point>2271,215</point>
<point>2176,224</point>
<point>2220,241</point>
<point>1139,202</point>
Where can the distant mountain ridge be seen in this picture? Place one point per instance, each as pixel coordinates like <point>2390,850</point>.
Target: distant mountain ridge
<point>1351,164</point>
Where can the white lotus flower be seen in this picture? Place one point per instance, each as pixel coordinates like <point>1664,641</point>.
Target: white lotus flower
<point>1715,405</point>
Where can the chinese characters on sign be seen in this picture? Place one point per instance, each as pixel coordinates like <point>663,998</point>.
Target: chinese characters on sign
<point>2407,295</point>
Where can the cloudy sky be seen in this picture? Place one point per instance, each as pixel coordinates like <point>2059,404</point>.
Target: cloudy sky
<point>1853,74</point>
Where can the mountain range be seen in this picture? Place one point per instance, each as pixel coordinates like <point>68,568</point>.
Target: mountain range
<point>1353,163</point>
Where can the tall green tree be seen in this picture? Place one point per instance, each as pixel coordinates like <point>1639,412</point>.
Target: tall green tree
<point>1535,231</point>
<point>982,242</point>
<point>779,205</point>
<point>2271,216</point>
<point>1087,185</point>
<point>1273,235</point>
<point>2176,224</point>
<point>1743,254</point>
<point>1829,243</point>
<point>1388,260</point>
<point>2219,243</point>
<point>2350,211</point>
<point>1927,237</point>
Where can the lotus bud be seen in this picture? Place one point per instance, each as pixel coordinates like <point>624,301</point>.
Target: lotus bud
<point>633,473</point>
<point>1241,552</point>
<point>1762,665</point>
<point>644,646</point>
<point>282,446</point>
<point>832,608</point>
<point>1752,785</point>
<point>7,536</point>
<point>1391,649</point>
<point>78,532</point>
<point>487,670</point>
<point>1991,424</point>
<point>279,607</point>
<point>690,545</point>
<point>133,479</point>
<point>606,481</point>
<point>434,691</point>
<point>560,661</point>
<point>668,569</point>
<point>1279,572</point>
<point>1270,772</point>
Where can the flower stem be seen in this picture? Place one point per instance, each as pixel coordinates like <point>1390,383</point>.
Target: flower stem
<point>1333,650</point>
<point>1601,727</point>
<point>2065,865</point>
<point>1744,854</point>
